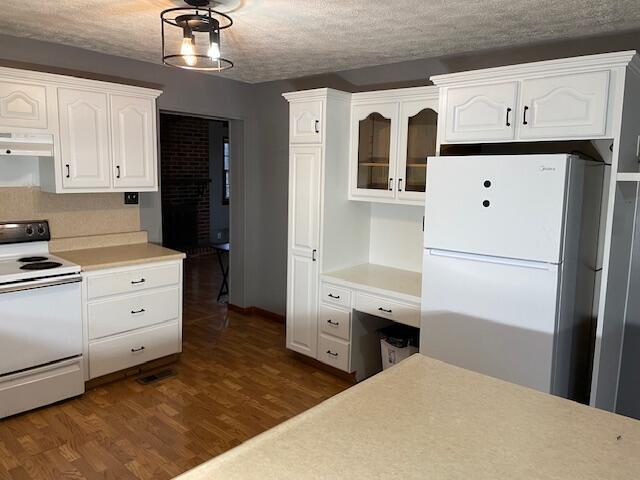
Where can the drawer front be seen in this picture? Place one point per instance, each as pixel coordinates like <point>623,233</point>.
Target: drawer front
<point>334,321</point>
<point>124,351</point>
<point>382,307</point>
<point>123,314</point>
<point>336,295</point>
<point>132,280</point>
<point>333,352</point>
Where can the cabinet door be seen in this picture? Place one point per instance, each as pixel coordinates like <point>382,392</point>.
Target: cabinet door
<point>84,139</point>
<point>133,142</point>
<point>304,238</point>
<point>305,122</point>
<point>480,113</point>
<point>569,106</point>
<point>23,105</point>
<point>418,129</point>
<point>374,137</point>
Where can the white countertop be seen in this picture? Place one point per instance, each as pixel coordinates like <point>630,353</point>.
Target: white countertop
<point>403,284</point>
<point>425,419</point>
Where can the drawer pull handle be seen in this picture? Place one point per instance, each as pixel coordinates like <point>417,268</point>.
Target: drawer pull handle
<point>331,295</point>
<point>134,350</point>
<point>384,310</point>
<point>331,353</point>
<point>331,322</point>
<point>142,310</point>
<point>135,282</point>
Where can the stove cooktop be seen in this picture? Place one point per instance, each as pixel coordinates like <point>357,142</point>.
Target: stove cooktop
<point>40,265</point>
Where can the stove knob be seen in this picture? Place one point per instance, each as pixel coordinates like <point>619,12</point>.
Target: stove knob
<point>29,230</point>
<point>41,230</point>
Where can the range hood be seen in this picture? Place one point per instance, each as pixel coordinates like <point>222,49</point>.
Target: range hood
<point>26,144</point>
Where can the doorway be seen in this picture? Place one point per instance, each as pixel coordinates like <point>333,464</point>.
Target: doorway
<point>195,165</point>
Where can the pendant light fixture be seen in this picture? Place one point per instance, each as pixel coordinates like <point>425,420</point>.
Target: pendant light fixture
<point>191,37</point>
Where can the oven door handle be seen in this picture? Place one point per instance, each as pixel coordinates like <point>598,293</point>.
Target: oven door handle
<point>42,283</point>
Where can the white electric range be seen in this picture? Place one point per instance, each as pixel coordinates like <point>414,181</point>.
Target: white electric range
<point>40,321</point>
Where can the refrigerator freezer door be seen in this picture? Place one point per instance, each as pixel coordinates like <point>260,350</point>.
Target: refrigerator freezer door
<point>508,206</point>
<point>490,315</point>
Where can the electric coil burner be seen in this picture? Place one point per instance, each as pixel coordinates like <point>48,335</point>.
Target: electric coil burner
<point>40,321</point>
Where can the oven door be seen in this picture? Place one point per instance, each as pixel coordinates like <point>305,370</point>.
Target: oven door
<point>40,322</point>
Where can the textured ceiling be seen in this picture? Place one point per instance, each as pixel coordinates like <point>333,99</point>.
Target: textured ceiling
<point>274,39</point>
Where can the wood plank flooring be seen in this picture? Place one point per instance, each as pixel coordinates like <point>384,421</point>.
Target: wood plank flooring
<point>234,380</point>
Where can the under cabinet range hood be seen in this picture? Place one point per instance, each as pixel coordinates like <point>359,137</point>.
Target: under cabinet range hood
<point>26,144</point>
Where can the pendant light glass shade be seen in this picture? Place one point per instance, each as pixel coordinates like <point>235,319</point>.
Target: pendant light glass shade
<point>191,37</point>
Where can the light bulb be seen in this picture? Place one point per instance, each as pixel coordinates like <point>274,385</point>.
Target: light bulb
<point>214,51</point>
<point>188,51</point>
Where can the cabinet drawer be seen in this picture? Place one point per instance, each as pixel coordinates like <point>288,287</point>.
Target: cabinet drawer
<point>124,351</point>
<point>382,307</point>
<point>334,321</point>
<point>123,314</point>
<point>336,295</point>
<point>132,280</point>
<point>333,352</point>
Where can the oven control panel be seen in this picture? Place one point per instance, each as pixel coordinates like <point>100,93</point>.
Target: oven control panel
<point>24,231</point>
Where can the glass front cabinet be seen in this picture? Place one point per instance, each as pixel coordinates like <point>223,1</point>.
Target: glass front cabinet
<point>390,143</point>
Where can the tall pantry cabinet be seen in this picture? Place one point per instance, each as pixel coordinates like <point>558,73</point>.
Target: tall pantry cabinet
<point>319,212</point>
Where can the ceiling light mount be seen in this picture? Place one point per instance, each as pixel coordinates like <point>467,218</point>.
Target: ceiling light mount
<point>191,37</point>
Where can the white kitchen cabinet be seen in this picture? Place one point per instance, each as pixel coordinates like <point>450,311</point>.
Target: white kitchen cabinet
<point>133,141</point>
<point>392,134</point>
<point>570,106</point>
<point>481,112</point>
<point>132,315</point>
<point>84,139</point>
<point>304,240</point>
<point>23,105</point>
<point>305,119</point>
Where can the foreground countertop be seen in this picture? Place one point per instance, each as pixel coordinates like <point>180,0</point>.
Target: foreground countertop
<point>424,419</point>
<point>119,256</point>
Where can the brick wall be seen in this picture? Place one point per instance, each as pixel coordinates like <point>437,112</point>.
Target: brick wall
<point>184,143</point>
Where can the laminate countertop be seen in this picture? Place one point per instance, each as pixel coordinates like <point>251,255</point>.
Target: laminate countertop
<point>424,419</point>
<point>119,256</point>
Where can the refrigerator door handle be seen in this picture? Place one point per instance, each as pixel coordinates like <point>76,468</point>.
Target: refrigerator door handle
<point>489,259</point>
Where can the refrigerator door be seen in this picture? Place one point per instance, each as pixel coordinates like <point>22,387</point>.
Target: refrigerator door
<point>508,206</point>
<point>490,315</point>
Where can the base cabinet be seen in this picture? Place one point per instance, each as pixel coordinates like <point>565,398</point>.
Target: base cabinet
<point>132,315</point>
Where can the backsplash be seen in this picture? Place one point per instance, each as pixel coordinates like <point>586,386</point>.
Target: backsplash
<point>70,215</point>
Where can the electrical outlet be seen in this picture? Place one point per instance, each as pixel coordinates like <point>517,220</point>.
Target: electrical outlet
<point>219,235</point>
<point>131,198</point>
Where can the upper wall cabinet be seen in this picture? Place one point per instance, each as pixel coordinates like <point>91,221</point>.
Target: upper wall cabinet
<point>103,135</point>
<point>392,134</point>
<point>133,141</point>
<point>23,105</point>
<point>554,100</point>
<point>483,112</point>
<point>306,122</point>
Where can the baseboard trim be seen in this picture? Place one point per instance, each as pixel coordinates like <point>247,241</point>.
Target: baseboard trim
<point>256,311</point>
<point>348,377</point>
<point>132,371</point>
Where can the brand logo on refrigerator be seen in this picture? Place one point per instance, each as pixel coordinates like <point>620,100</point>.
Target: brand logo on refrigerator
<point>547,169</point>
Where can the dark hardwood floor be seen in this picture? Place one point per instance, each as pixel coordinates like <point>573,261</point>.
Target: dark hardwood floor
<point>234,380</point>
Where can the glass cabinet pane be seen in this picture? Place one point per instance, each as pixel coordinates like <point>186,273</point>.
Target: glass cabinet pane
<point>374,138</point>
<point>421,143</point>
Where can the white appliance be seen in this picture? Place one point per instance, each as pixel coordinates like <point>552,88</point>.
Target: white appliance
<point>509,267</point>
<point>40,321</point>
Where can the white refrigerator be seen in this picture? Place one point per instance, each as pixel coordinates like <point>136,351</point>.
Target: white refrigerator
<point>509,267</point>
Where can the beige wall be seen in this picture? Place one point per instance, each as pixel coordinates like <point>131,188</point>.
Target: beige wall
<point>70,215</point>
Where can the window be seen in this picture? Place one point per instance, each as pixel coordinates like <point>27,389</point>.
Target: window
<point>225,171</point>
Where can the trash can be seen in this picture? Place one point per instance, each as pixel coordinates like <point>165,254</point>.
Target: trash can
<point>397,342</point>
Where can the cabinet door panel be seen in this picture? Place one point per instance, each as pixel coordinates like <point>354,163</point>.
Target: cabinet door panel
<point>133,141</point>
<point>304,237</point>
<point>483,112</point>
<point>374,135</point>
<point>418,131</point>
<point>306,122</point>
<point>23,105</point>
<point>564,106</point>
<point>84,139</point>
